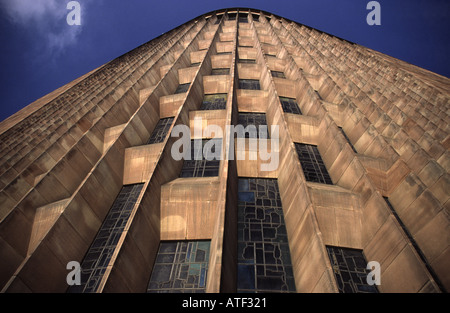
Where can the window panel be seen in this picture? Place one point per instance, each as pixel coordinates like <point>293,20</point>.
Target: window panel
<point>252,84</point>
<point>180,266</point>
<point>214,102</point>
<point>256,119</point>
<point>349,267</point>
<point>348,140</point>
<point>312,164</point>
<point>199,165</point>
<point>160,132</point>
<point>277,74</point>
<point>290,105</point>
<point>102,248</point>
<point>247,61</point>
<point>264,262</point>
<point>220,71</point>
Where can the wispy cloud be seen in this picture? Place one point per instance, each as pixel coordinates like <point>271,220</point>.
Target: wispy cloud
<point>45,18</point>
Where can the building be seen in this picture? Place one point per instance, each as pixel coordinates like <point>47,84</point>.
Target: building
<point>355,169</point>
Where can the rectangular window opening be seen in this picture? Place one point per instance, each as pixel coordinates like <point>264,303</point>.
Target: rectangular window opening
<point>264,261</point>
<point>220,71</point>
<point>182,88</point>
<point>349,267</point>
<point>278,74</point>
<point>290,105</point>
<point>161,129</point>
<point>312,164</point>
<point>252,84</point>
<point>180,267</point>
<point>204,158</point>
<point>253,119</point>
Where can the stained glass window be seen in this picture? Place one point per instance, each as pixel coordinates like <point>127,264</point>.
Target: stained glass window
<point>290,105</point>
<point>252,84</point>
<point>258,120</point>
<point>264,262</point>
<point>220,71</point>
<point>182,88</point>
<point>312,164</point>
<point>202,162</point>
<point>243,18</point>
<point>99,254</point>
<point>349,267</point>
<point>180,266</point>
<point>160,132</point>
<point>214,102</point>
<point>277,74</point>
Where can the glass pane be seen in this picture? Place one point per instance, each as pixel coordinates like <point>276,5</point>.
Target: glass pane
<point>214,102</point>
<point>278,74</point>
<point>312,164</point>
<point>247,61</point>
<point>264,262</point>
<point>203,162</point>
<point>220,71</point>
<point>290,105</point>
<point>180,266</point>
<point>102,248</point>
<point>252,84</point>
<point>258,120</point>
<point>160,132</point>
<point>182,88</point>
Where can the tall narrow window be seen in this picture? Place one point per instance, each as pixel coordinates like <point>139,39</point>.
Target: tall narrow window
<point>348,140</point>
<point>349,267</point>
<point>214,102</point>
<point>264,261</point>
<point>182,88</point>
<point>102,249</point>
<point>258,120</point>
<point>204,159</point>
<point>312,164</point>
<point>290,105</point>
<point>160,132</point>
<point>252,84</point>
<point>180,266</point>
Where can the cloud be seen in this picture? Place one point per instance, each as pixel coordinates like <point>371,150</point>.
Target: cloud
<point>46,19</point>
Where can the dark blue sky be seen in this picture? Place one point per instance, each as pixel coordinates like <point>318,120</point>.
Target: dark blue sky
<point>41,52</point>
